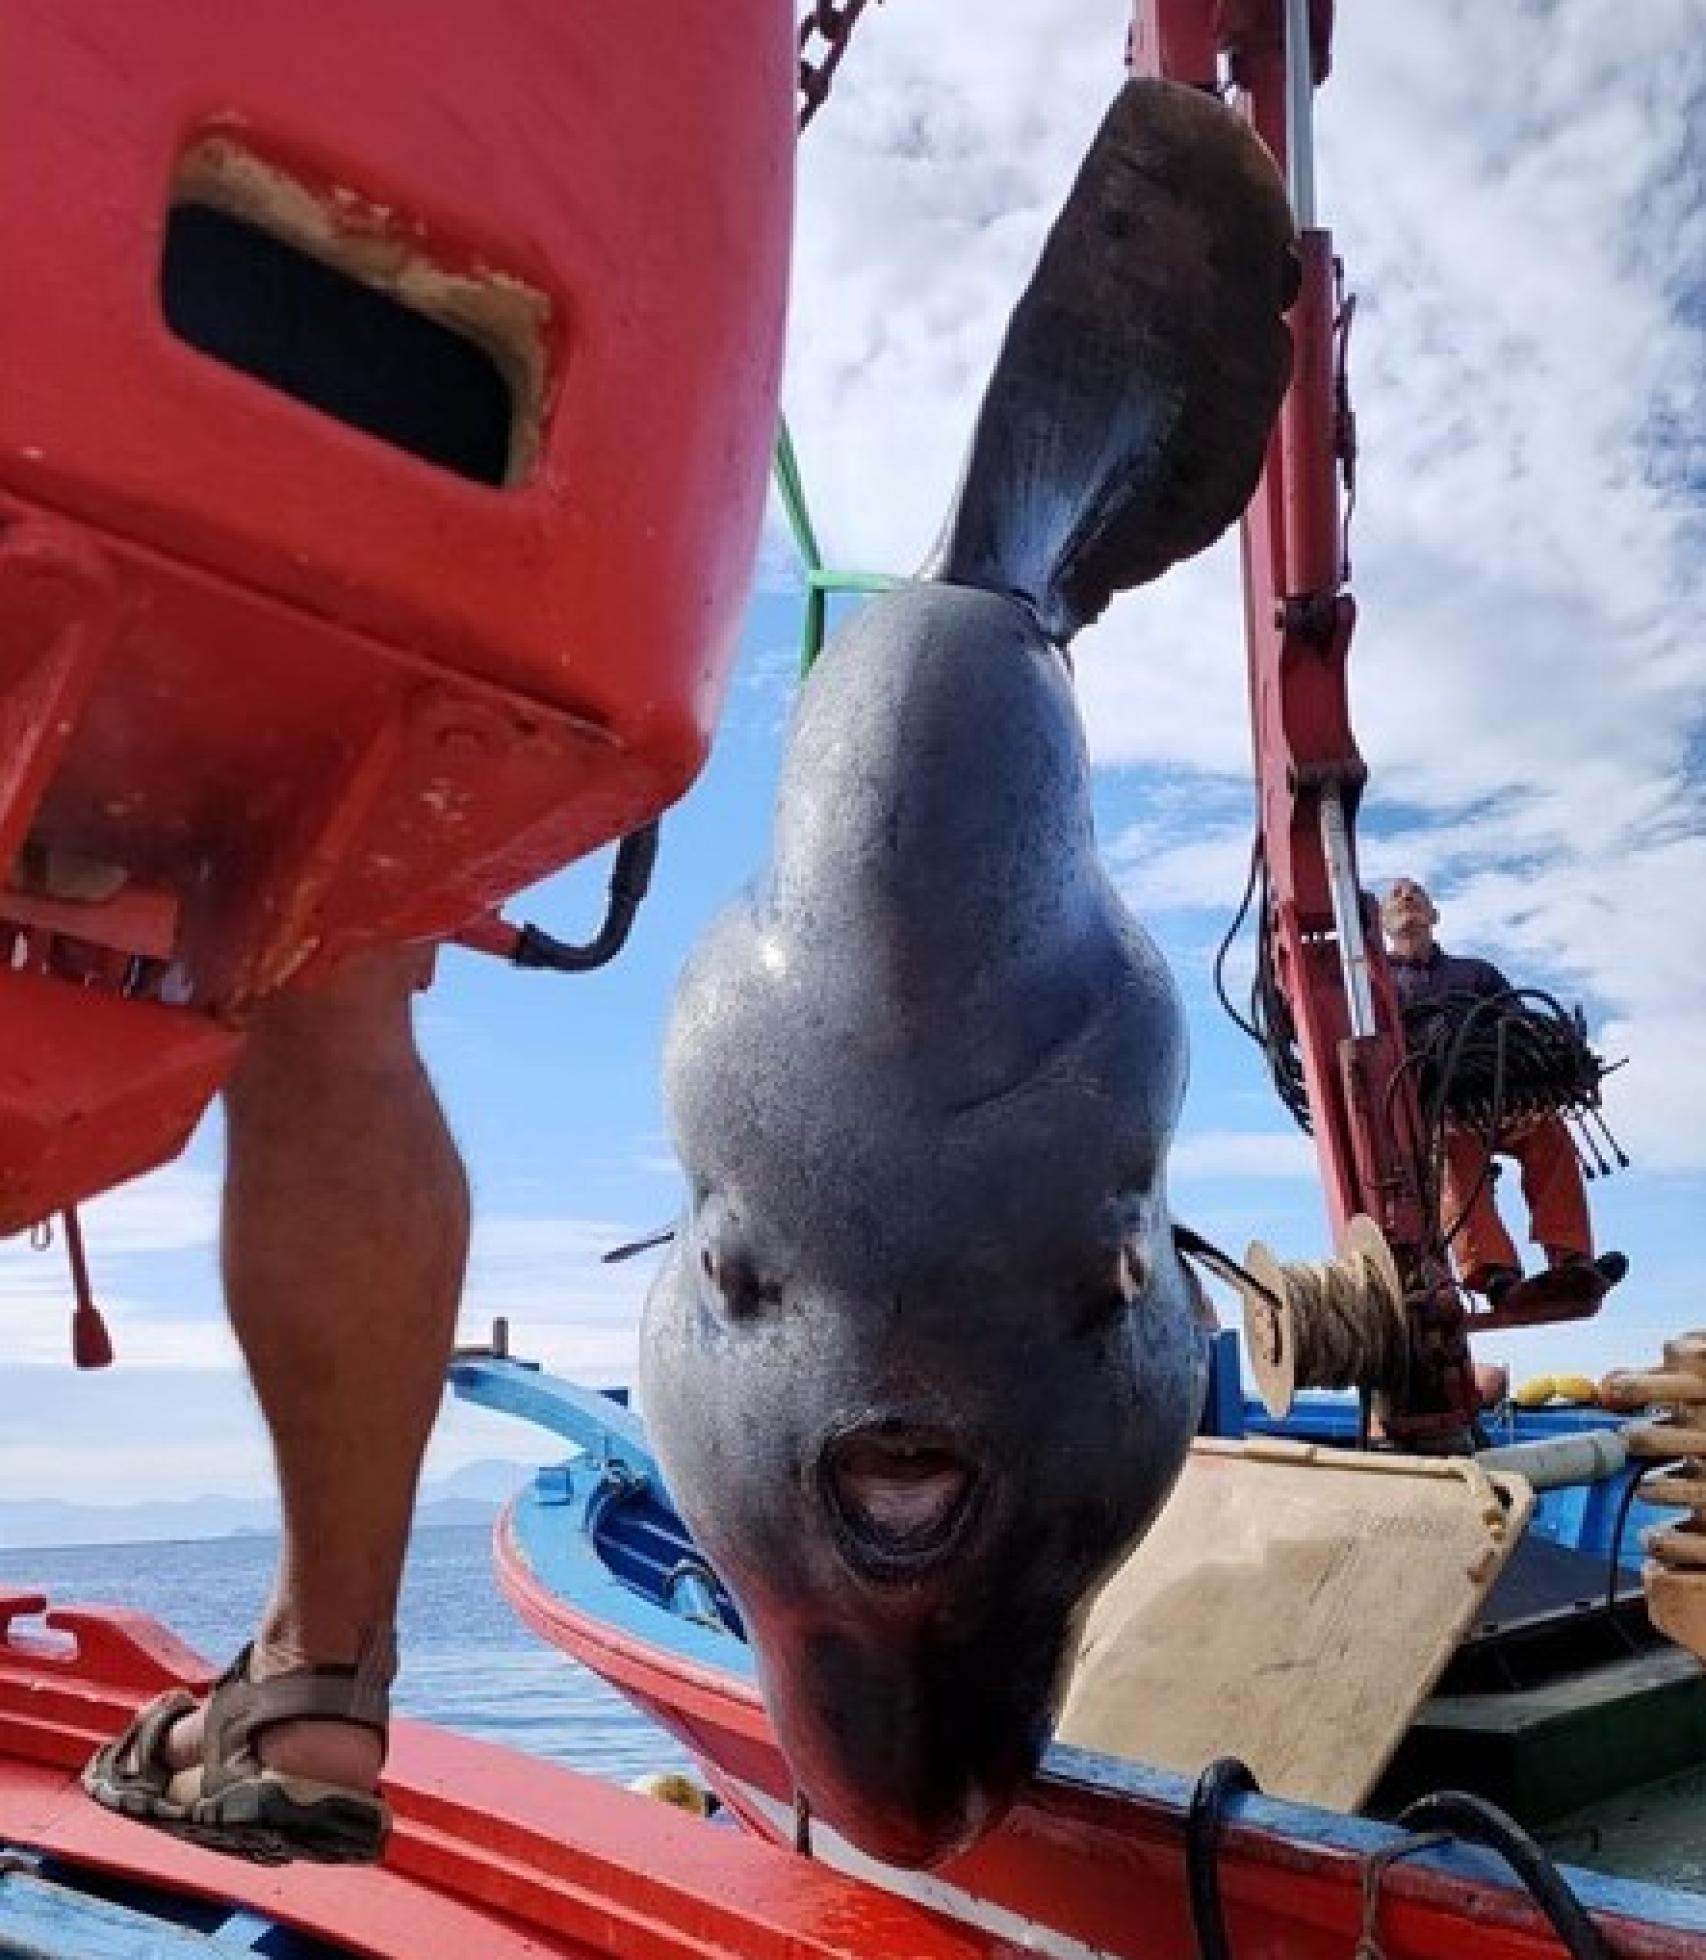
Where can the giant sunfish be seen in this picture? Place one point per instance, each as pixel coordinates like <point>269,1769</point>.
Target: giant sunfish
<point>924,1361</point>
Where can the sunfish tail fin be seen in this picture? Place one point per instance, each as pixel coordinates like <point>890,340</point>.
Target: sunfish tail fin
<point>1127,418</point>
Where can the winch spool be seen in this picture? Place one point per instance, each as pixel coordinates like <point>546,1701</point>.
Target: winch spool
<point>1675,1571</point>
<point>1333,1323</point>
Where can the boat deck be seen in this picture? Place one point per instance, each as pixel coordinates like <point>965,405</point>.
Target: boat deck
<point>1545,1579</point>
<point>494,1856</point>
<point>1657,1833</point>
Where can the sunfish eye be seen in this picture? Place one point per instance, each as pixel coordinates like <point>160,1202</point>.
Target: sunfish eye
<point>1115,1288</point>
<point>733,1283</point>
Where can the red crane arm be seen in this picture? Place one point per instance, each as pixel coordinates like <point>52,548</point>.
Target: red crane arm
<point>1318,937</point>
<point>1299,620</point>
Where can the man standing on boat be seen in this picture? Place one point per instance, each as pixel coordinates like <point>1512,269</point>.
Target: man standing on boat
<point>344,1238</point>
<point>1425,975</point>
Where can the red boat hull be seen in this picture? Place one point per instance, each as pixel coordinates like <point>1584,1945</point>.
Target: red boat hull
<point>494,1856</point>
<point>1092,1868</point>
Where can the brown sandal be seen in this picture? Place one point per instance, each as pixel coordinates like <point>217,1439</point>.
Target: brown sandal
<point>231,1801</point>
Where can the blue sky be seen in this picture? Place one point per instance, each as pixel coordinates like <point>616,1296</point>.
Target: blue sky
<point>1522,218</point>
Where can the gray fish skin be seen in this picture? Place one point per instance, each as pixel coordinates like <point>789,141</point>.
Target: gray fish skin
<point>925,1083</point>
<point>924,1360</point>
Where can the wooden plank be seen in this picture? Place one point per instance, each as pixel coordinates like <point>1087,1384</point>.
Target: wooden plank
<point>1292,1606</point>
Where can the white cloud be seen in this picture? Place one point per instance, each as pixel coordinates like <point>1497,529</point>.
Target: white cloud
<point>171,1210</point>
<point>925,191</point>
<point>134,1433</point>
<point>548,1277</point>
<point>1655,1106</point>
<point>150,1255</point>
<point>178,1373</point>
<point>1178,862</point>
<point>1264,1154</point>
<point>38,1330</point>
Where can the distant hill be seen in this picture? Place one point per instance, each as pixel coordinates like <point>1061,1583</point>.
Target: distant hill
<point>469,1496</point>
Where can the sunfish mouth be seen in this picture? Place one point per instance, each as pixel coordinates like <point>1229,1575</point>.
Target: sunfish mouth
<point>902,1497</point>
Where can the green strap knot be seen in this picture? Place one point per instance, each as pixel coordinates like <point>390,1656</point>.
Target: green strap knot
<point>820,581</point>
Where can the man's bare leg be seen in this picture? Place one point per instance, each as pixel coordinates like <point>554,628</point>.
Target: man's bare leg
<point>344,1243</point>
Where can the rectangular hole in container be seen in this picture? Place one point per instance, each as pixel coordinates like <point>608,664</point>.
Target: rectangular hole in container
<point>240,295</point>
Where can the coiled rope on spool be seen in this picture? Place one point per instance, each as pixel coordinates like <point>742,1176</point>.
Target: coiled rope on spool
<point>1336,1323</point>
<point>1332,1323</point>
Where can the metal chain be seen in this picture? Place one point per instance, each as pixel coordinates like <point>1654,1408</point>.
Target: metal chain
<point>832,22</point>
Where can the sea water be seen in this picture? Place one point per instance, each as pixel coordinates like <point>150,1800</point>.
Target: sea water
<point>468,1663</point>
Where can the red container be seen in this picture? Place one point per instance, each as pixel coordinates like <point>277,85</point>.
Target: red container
<point>388,394</point>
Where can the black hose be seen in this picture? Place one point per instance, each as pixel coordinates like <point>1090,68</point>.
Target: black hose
<point>1232,931</point>
<point>1224,1267</point>
<point>1222,1780</point>
<point>1625,1504</point>
<point>1480,1822</point>
<point>1269,1023</point>
<point>1454,1813</point>
<point>630,878</point>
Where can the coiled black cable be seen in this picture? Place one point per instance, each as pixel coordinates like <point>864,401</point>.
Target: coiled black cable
<point>1484,1063</point>
<point>1501,1057</point>
<point>1490,1062</point>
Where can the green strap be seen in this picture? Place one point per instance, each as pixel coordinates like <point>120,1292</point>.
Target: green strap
<point>820,582</point>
